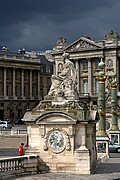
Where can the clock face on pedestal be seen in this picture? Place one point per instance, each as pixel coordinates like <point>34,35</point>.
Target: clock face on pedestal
<point>56,141</point>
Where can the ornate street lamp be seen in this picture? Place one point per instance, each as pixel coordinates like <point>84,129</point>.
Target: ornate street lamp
<point>102,137</point>
<point>114,132</point>
<point>101,101</point>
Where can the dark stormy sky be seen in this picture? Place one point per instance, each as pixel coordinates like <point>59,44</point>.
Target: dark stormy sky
<point>37,24</point>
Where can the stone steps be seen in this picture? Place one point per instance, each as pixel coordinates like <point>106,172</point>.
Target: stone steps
<point>62,167</point>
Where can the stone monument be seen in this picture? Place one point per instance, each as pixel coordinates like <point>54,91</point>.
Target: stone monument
<point>60,129</point>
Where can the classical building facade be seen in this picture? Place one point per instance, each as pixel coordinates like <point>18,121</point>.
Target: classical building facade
<point>25,79</point>
<point>86,54</point>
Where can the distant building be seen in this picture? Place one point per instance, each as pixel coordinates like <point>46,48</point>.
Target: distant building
<point>25,78</point>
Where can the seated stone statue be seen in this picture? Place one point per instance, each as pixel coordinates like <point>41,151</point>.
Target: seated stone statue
<point>63,84</point>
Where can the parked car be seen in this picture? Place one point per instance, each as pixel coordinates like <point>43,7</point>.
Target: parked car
<point>19,122</point>
<point>114,147</point>
<point>5,124</point>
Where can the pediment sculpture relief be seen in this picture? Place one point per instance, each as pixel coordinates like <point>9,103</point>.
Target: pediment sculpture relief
<point>81,45</point>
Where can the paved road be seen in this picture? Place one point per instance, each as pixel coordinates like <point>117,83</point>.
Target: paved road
<point>8,152</point>
<point>110,170</point>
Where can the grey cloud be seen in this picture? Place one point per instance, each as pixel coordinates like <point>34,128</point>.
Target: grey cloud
<point>36,25</point>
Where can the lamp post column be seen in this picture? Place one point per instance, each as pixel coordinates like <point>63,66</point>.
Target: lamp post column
<point>102,136</point>
<point>101,102</point>
<point>114,132</point>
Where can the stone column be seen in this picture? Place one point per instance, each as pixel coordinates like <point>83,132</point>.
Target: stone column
<point>13,82</point>
<point>89,77</point>
<point>78,75</point>
<point>54,68</point>
<point>83,138</point>
<point>22,83</point>
<point>5,83</point>
<point>30,83</point>
<point>114,104</point>
<point>39,84</point>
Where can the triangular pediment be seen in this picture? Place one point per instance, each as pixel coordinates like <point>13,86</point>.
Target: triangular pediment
<point>82,44</point>
<point>55,118</point>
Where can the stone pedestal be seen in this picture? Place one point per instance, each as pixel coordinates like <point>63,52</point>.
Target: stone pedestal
<point>102,144</point>
<point>84,157</point>
<point>63,139</point>
<point>114,136</point>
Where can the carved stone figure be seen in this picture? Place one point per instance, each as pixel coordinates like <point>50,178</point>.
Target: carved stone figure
<point>60,44</point>
<point>61,41</point>
<point>64,83</point>
<point>112,36</point>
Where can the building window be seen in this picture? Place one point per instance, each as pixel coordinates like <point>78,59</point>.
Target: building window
<point>2,104</point>
<point>41,69</point>
<point>47,69</point>
<point>17,75</point>
<point>96,86</point>
<point>41,93</point>
<point>94,102</point>
<point>9,74</point>
<point>26,75</point>
<point>41,80</point>
<point>85,65</point>
<point>96,63</point>
<point>25,90</point>
<point>1,75</point>
<point>48,80</point>
<point>85,86</point>
<point>34,75</point>
<point>33,90</point>
<point>16,90</point>
<point>48,89</point>
<point>2,90</point>
<point>7,90</point>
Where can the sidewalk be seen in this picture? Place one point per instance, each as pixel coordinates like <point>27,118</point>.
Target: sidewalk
<point>109,170</point>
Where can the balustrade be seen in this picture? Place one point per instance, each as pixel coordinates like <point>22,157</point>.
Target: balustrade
<point>14,166</point>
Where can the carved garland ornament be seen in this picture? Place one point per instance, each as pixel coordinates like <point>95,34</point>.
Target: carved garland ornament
<point>57,140</point>
<point>109,63</point>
